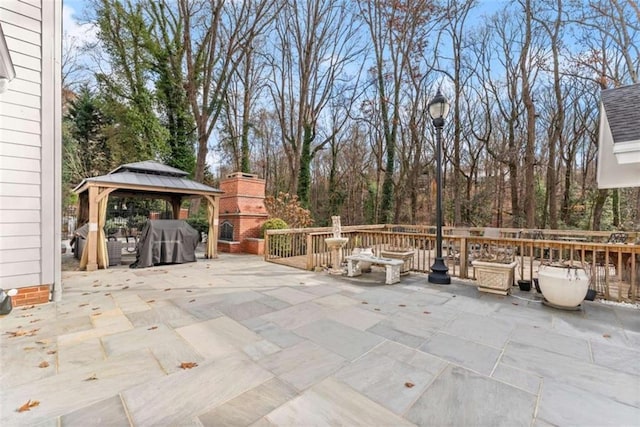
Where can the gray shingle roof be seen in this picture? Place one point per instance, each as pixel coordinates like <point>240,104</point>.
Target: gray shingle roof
<point>622,106</point>
<point>152,175</point>
<point>150,167</point>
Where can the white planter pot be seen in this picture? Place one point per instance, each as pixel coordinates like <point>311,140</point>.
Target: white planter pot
<point>564,287</point>
<point>494,277</point>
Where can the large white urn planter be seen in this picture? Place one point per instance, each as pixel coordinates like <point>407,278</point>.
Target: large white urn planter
<point>563,286</point>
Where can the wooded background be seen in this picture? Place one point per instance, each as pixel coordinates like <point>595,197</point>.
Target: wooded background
<point>327,99</point>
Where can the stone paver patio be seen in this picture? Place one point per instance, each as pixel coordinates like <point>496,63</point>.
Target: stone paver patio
<point>279,346</point>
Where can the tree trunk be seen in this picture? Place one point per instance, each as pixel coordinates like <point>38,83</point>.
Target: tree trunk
<point>598,207</point>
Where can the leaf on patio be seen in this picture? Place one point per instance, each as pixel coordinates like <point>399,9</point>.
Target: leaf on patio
<point>408,384</point>
<point>401,305</point>
<point>29,348</point>
<point>95,286</point>
<point>43,364</point>
<point>188,365</point>
<point>125,287</point>
<point>515,303</point>
<point>150,301</point>
<point>97,314</point>
<point>107,294</point>
<point>85,293</point>
<point>26,315</point>
<point>91,378</point>
<point>28,308</point>
<point>192,300</point>
<point>22,333</point>
<point>152,328</point>
<point>606,335</point>
<point>35,320</point>
<point>376,309</point>
<point>27,406</point>
<point>42,342</point>
<point>426,312</point>
<point>168,289</point>
<point>364,302</point>
<point>96,281</point>
<point>84,305</point>
<point>95,308</point>
<point>52,352</point>
<point>189,290</point>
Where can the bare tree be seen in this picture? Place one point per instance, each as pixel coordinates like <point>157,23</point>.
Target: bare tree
<point>317,43</point>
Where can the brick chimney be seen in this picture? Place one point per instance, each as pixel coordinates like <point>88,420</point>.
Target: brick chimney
<point>242,213</point>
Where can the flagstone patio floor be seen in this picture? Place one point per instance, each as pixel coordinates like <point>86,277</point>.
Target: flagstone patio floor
<point>237,341</point>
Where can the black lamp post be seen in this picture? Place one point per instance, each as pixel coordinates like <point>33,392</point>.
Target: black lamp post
<point>438,110</point>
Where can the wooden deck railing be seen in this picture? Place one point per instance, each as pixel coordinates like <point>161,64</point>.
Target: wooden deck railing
<point>614,267</point>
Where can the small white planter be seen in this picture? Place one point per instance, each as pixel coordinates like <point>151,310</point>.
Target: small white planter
<point>563,287</point>
<point>494,277</point>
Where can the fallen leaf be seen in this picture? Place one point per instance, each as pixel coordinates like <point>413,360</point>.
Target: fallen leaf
<point>108,286</point>
<point>91,378</point>
<point>152,328</point>
<point>43,364</point>
<point>151,300</point>
<point>364,302</point>
<point>168,289</point>
<point>606,335</point>
<point>189,290</point>
<point>23,333</point>
<point>28,308</point>
<point>95,308</point>
<point>401,305</point>
<point>29,348</point>
<point>51,352</point>
<point>95,286</point>
<point>376,309</point>
<point>26,315</point>
<point>83,305</point>
<point>188,365</point>
<point>426,312</point>
<point>515,303</point>
<point>192,300</point>
<point>35,320</point>
<point>27,406</point>
<point>453,296</point>
<point>42,342</point>
<point>97,314</point>
<point>85,293</point>
<point>96,281</point>
<point>107,294</point>
<point>127,280</point>
<point>126,287</point>
<point>408,384</point>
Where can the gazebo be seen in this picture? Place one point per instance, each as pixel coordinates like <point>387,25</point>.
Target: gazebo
<point>147,179</point>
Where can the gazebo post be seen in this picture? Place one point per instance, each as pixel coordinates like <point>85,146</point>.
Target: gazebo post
<point>176,202</point>
<point>213,206</point>
<point>92,236</point>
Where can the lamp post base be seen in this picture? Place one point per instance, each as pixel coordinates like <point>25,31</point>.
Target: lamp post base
<point>439,273</point>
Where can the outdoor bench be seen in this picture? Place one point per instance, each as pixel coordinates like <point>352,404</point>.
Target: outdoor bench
<point>392,266</point>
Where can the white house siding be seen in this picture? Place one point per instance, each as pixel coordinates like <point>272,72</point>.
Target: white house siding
<point>30,145</point>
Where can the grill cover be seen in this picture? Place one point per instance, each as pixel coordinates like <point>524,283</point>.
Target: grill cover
<point>166,241</point>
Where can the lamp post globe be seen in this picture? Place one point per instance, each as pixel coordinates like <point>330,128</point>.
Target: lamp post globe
<point>438,110</point>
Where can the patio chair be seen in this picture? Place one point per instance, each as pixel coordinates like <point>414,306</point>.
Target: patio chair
<point>618,238</point>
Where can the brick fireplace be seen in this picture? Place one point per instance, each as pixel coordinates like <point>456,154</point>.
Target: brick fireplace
<point>242,213</point>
